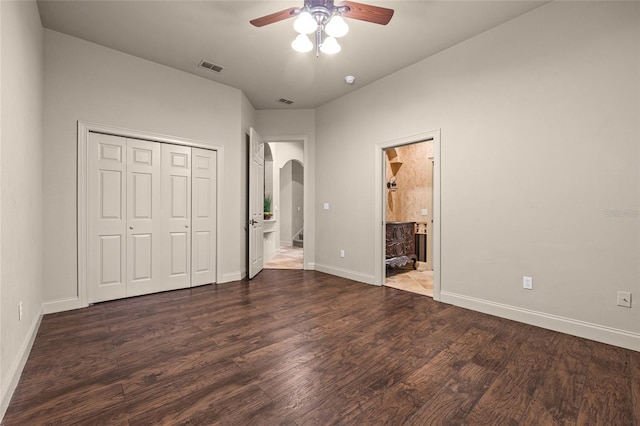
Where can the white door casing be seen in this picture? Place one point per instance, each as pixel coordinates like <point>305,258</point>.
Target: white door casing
<point>203,217</point>
<point>106,217</point>
<point>256,203</point>
<point>176,217</point>
<point>143,217</point>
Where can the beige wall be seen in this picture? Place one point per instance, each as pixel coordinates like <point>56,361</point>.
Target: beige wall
<point>539,144</point>
<point>21,191</point>
<point>410,167</point>
<point>84,81</point>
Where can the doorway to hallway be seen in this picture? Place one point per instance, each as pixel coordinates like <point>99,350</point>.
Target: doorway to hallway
<point>284,198</point>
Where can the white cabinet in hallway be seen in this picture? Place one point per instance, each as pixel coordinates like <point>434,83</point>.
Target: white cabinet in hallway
<point>143,198</point>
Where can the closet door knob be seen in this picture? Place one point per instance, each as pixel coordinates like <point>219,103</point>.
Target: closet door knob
<point>131,227</point>
<point>186,226</point>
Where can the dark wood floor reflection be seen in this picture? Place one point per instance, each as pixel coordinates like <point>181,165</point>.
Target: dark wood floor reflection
<point>302,347</point>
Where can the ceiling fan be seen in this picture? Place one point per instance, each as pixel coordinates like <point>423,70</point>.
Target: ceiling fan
<point>317,16</point>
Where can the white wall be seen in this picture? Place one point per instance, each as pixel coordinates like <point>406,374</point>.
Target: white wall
<point>539,122</point>
<point>84,81</point>
<point>285,207</point>
<point>21,81</point>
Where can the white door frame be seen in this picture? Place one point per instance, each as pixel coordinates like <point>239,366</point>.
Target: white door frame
<point>309,238</point>
<point>381,211</point>
<point>84,128</point>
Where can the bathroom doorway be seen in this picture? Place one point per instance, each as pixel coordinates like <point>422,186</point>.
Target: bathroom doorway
<point>284,197</point>
<point>409,217</point>
<point>409,213</point>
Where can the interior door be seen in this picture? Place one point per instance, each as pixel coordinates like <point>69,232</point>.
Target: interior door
<point>256,203</point>
<point>143,217</point>
<point>107,217</point>
<point>203,217</point>
<point>176,215</point>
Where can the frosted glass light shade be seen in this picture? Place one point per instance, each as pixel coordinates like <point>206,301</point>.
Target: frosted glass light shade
<point>336,27</point>
<point>305,23</point>
<point>330,46</point>
<point>302,44</point>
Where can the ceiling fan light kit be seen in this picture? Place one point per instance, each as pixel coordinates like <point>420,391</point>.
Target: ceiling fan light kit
<point>322,17</point>
<point>302,44</point>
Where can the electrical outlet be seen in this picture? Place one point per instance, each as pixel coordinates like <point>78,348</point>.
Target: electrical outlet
<point>425,212</point>
<point>20,311</point>
<point>326,206</point>
<point>624,299</point>
<point>527,283</point>
<point>341,253</point>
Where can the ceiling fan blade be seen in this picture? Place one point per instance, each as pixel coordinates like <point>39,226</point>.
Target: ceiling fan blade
<point>274,17</point>
<point>367,12</point>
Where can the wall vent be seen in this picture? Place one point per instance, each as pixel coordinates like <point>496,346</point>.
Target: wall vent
<point>285,101</point>
<point>210,66</point>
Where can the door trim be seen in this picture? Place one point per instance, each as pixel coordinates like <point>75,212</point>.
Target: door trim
<point>380,211</point>
<point>84,128</point>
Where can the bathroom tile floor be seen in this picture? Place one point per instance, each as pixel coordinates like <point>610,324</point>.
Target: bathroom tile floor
<point>289,257</point>
<point>406,278</point>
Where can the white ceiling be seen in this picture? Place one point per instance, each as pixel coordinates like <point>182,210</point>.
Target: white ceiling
<point>260,61</point>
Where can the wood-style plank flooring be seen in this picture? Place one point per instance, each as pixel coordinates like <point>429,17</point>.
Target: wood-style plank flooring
<point>302,347</point>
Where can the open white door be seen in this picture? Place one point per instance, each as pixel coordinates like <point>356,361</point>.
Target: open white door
<point>256,202</point>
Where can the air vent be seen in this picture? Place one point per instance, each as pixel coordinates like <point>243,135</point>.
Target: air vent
<point>209,66</point>
<point>285,101</point>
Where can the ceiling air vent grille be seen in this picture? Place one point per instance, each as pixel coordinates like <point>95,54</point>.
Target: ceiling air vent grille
<point>285,101</point>
<point>210,66</point>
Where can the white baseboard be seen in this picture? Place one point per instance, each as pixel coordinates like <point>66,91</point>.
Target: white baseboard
<point>344,273</point>
<point>596,332</point>
<point>61,305</point>
<point>232,276</point>
<point>18,365</point>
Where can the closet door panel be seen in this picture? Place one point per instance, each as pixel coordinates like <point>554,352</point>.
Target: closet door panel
<point>176,216</point>
<point>143,217</point>
<point>107,219</point>
<point>203,259</point>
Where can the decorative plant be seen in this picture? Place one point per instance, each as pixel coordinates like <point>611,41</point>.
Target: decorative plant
<point>267,203</point>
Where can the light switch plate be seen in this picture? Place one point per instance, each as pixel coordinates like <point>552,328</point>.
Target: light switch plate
<point>624,299</point>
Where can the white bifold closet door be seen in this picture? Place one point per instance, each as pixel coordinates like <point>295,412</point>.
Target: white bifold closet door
<point>141,209</point>
<point>176,217</point>
<point>203,217</point>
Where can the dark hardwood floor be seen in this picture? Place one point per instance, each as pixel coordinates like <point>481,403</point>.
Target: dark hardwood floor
<point>302,347</point>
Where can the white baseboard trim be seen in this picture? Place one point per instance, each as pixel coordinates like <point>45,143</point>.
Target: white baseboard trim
<point>16,369</point>
<point>596,332</point>
<point>232,276</point>
<point>344,273</point>
<point>61,305</point>
<point>310,266</point>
